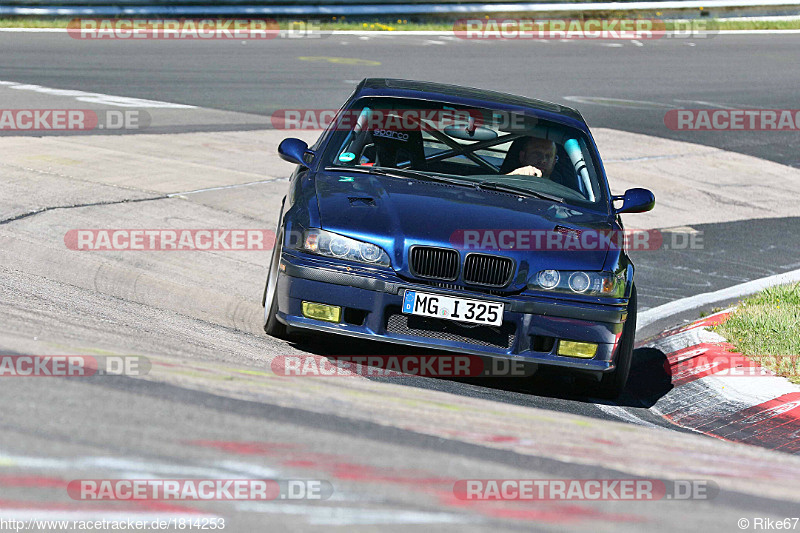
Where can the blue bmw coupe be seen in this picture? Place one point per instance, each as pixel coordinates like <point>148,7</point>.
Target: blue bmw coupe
<point>458,219</point>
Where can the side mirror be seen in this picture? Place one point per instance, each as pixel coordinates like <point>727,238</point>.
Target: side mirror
<point>295,151</point>
<point>636,201</point>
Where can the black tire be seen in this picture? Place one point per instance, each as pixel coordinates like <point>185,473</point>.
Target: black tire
<point>272,326</point>
<point>613,383</point>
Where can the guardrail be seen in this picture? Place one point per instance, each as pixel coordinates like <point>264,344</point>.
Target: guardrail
<point>387,7</point>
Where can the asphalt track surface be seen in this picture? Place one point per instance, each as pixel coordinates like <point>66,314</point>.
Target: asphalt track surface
<point>631,85</point>
<point>726,71</point>
<point>387,474</point>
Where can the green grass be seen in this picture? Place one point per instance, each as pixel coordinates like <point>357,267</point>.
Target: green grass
<point>24,22</point>
<point>766,328</point>
<point>758,25</point>
<point>399,24</point>
<point>709,24</point>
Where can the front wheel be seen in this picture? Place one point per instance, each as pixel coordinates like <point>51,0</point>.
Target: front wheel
<point>272,326</point>
<point>613,383</point>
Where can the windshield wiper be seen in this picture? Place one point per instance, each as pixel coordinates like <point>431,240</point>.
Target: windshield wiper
<point>407,173</point>
<point>502,187</point>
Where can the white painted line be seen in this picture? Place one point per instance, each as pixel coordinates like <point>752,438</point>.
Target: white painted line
<point>391,517</point>
<point>137,467</point>
<point>657,157</point>
<point>750,390</point>
<point>693,302</point>
<point>618,102</point>
<point>707,103</point>
<point>95,98</point>
<point>248,469</point>
<point>144,466</point>
<point>679,341</point>
<point>344,516</point>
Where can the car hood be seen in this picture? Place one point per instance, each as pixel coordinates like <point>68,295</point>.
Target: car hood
<point>397,213</point>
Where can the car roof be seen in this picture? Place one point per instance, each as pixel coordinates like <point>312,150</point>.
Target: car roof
<point>439,91</point>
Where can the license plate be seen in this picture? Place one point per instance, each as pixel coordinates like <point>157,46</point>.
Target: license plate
<point>452,308</point>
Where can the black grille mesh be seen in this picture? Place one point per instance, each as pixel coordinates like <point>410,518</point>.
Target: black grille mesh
<point>434,328</point>
<point>434,263</point>
<point>488,270</point>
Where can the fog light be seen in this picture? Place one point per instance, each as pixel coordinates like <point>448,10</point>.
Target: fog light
<point>585,350</point>
<point>328,313</point>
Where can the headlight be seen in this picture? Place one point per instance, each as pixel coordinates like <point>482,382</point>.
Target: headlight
<point>548,279</point>
<point>578,282</point>
<point>321,242</point>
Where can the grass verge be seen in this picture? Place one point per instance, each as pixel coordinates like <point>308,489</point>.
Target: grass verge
<point>766,328</point>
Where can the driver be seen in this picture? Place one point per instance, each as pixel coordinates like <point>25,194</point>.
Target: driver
<point>536,158</point>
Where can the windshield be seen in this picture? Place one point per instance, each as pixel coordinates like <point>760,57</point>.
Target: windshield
<point>480,147</point>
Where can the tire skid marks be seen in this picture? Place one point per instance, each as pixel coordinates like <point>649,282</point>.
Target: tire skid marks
<point>51,490</point>
<point>337,467</point>
<point>95,98</point>
<point>570,439</point>
<point>53,487</point>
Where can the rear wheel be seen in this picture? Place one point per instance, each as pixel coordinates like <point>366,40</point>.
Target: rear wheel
<point>613,383</point>
<point>272,326</point>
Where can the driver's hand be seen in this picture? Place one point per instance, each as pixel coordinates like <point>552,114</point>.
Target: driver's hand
<point>527,171</point>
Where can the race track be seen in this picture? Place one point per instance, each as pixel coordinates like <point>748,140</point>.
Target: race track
<point>391,447</point>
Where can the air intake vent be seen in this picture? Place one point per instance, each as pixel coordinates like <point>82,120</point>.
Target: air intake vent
<point>488,270</point>
<point>432,328</point>
<point>434,263</point>
<point>357,201</point>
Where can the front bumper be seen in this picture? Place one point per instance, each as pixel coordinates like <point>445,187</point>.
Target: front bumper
<point>372,300</point>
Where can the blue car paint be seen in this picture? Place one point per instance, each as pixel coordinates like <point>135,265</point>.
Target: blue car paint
<point>441,213</point>
<point>407,212</point>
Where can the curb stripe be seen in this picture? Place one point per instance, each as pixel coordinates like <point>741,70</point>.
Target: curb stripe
<point>723,394</point>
